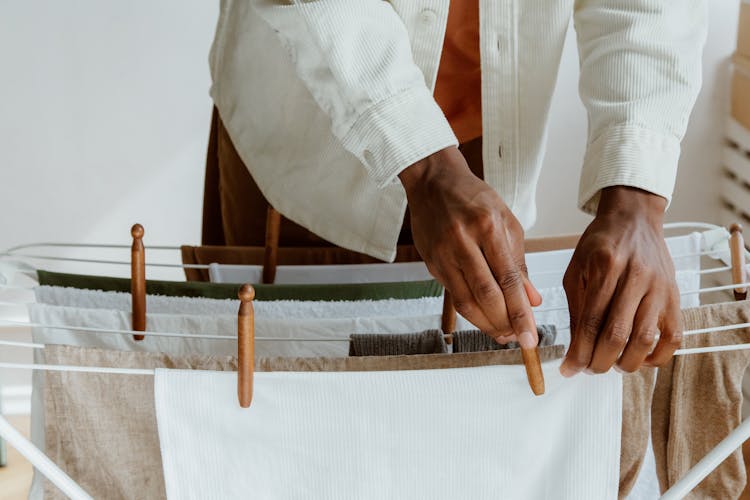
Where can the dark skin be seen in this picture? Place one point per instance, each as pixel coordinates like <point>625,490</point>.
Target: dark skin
<point>622,295</point>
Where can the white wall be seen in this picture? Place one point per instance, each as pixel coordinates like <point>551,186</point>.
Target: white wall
<point>105,111</point>
<point>105,114</point>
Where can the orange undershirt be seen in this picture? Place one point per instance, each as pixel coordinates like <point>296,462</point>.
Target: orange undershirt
<point>458,89</point>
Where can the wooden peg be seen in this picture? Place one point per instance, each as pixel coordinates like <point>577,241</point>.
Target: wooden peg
<point>448,318</point>
<point>245,346</point>
<point>739,271</point>
<point>271,255</point>
<point>534,372</point>
<point>138,281</point>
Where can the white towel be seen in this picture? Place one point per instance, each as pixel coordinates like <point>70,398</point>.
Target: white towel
<point>321,274</point>
<point>434,434</point>
<point>96,299</point>
<point>545,268</point>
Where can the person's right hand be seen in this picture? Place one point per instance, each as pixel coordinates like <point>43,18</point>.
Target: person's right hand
<point>473,245</point>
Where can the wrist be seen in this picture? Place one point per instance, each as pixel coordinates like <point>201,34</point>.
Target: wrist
<point>632,203</point>
<point>432,167</point>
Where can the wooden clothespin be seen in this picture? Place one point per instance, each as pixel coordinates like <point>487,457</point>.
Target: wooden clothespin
<point>531,361</point>
<point>448,318</point>
<point>271,254</point>
<point>737,250</point>
<point>245,345</point>
<point>138,281</point>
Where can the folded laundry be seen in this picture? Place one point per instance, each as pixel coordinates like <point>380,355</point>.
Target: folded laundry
<point>351,291</point>
<point>474,340</point>
<point>375,344</point>
<point>121,301</point>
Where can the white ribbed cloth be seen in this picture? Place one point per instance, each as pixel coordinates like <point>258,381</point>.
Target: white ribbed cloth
<point>160,304</point>
<point>351,273</point>
<point>434,434</point>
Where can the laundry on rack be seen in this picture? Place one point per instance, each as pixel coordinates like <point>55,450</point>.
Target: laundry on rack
<point>101,428</point>
<point>352,291</point>
<point>394,434</point>
<point>286,256</point>
<point>373,344</point>
<point>545,268</point>
<point>350,273</point>
<point>475,340</point>
<point>96,299</point>
<point>697,402</point>
<point>207,325</point>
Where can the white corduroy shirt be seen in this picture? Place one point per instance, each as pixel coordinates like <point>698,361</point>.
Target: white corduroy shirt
<point>326,101</point>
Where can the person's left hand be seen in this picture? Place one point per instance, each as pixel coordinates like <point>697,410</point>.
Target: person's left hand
<point>621,287</point>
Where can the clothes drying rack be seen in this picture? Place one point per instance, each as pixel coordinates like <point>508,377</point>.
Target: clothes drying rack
<point>246,339</point>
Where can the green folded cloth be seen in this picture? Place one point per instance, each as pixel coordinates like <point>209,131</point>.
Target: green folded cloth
<point>328,292</point>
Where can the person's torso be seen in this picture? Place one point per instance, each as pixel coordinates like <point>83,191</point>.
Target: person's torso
<point>285,138</point>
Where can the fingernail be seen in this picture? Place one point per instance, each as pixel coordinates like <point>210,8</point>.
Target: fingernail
<point>527,340</point>
<point>618,369</point>
<point>567,371</point>
<point>501,339</point>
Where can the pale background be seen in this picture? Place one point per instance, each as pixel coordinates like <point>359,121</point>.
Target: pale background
<point>105,112</point>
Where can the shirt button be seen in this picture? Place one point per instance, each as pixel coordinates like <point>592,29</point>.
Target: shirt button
<point>427,16</point>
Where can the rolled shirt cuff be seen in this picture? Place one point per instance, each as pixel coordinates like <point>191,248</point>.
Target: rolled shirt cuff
<point>628,155</point>
<point>397,132</point>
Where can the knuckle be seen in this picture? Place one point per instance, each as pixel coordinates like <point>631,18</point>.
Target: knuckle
<point>510,280</point>
<point>518,316</point>
<point>646,337</point>
<point>607,258</point>
<point>462,306</point>
<point>590,326</point>
<point>485,221</point>
<point>674,338</point>
<point>618,335</point>
<point>455,229</point>
<point>486,290</point>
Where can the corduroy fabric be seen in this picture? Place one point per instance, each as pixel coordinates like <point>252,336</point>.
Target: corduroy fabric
<point>377,344</point>
<point>476,341</point>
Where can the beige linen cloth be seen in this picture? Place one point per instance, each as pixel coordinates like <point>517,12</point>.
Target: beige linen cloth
<point>101,428</point>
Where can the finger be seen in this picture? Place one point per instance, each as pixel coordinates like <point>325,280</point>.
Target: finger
<point>463,300</point>
<point>574,291</point>
<point>485,290</point>
<point>509,273</point>
<point>591,320</point>
<point>535,298</point>
<point>670,337</point>
<point>644,334</point>
<point>619,325</point>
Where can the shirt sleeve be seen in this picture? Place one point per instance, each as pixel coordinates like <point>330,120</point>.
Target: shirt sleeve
<point>355,59</point>
<point>640,75</point>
